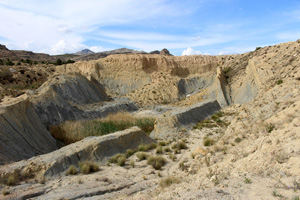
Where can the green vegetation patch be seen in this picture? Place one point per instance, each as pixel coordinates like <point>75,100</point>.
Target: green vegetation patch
<point>73,131</point>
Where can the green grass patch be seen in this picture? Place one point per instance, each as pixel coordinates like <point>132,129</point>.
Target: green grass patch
<point>73,131</point>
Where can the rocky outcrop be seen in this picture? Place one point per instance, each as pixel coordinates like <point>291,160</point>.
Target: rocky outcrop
<point>256,76</point>
<point>74,97</point>
<point>98,149</point>
<point>22,133</point>
<point>171,122</point>
<point>165,52</point>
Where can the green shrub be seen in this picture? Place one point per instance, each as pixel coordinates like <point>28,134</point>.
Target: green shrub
<point>167,149</point>
<point>129,152</point>
<point>257,48</point>
<point>279,82</point>
<point>238,140</point>
<point>179,145</point>
<point>87,167</point>
<point>142,156</point>
<point>157,162</point>
<point>208,141</point>
<point>172,156</point>
<point>132,163</point>
<point>162,143</point>
<point>142,147</point>
<point>12,180</point>
<point>122,161</point>
<point>159,150</point>
<point>71,170</point>
<point>270,127</point>
<point>166,182</point>
<point>119,159</point>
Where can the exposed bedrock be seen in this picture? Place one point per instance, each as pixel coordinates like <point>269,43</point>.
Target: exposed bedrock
<point>98,149</point>
<point>22,133</point>
<point>74,97</point>
<point>172,121</point>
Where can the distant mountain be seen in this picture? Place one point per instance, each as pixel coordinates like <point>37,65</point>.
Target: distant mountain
<point>84,52</point>
<point>104,54</point>
<point>16,55</point>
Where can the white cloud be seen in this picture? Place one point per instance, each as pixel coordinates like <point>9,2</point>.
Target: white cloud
<point>43,25</point>
<point>62,47</point>
<point>97,49</point>
<point>189,51</point>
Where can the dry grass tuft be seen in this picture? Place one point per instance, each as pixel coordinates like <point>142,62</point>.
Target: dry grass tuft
<point>166,182</point>
<point>87,167</point>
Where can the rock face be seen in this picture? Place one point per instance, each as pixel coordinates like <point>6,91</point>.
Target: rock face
<point>171,122</point>
<point>165,52</point>
<point>84,52</point>
<point>22,133</point>
<point>74,97</point>
<point>3,47</point>
<point>98,149</point>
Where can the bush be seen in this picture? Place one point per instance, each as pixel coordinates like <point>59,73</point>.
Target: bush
<point>129,152</point>
<point>208,141</point>
<point>12,180</point>
<point>279,82</point>
<point>59,62</point>
<point>179,145</point>
<point>157,162</point>
<point>167,149</point>
<point>159,150</point>
<point>88,167</point>
<point>71,170</point>
<point>162,143</point>
<point>166,182</point>
<point>119,159</point>
<point>6,74</point>
<point>142,156</point>
<point>257,48</point>
<point>270,127</point>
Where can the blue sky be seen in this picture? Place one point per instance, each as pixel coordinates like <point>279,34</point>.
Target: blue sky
<point>184,27</point>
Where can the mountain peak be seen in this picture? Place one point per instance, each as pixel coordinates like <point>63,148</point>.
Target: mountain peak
<point>84,52</point>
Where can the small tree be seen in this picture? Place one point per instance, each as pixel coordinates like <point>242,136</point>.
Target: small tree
<point>59,62</point>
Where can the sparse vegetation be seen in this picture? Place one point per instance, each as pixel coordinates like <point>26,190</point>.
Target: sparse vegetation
<point>157,162</point>
<point>142,156</point>
<point>179,145</point>
<point>208,141</point>
<point>167,149</point>
<point>238,140</point>
<point>132,164</point>
<point>166,182</point>
<point>119,159</point>
<point>257,48</point>
<point>129,152</point>
<point>270,127</point>
<point>5,192</point>
<point>87,167</point>
<point>73,131</point>
<point>247,180</point>
<point>12,180</point>
<point>279,82</point>
<point>159,150</point>
<point>71,170</point>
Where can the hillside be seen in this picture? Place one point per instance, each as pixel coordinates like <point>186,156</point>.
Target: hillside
<point>226,127</point>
